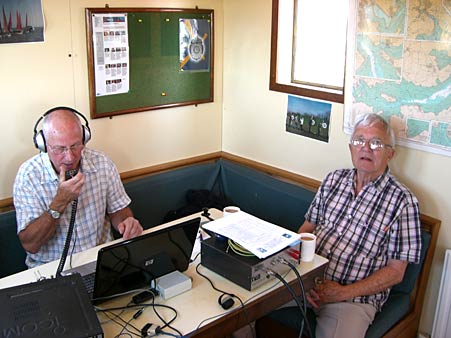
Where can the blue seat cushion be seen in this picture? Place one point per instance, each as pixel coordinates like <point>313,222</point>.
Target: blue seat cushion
<point>291,317</point>
<point>394,309</point>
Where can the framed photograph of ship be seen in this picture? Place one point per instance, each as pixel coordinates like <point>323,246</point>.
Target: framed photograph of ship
<point>21,21</point>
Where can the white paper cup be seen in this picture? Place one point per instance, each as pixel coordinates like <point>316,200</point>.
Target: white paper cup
<point>230,210</point>
<point>308,246</point>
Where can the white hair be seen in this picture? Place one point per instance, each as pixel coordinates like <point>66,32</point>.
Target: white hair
<point>367,120</point>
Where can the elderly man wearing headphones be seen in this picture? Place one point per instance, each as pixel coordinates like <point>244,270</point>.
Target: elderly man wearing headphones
<point>65,171</point>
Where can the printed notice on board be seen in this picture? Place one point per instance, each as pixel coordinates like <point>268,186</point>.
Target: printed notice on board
<point>111,53</point>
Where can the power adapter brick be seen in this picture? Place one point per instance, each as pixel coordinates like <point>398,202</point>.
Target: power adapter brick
<point>173,284</point>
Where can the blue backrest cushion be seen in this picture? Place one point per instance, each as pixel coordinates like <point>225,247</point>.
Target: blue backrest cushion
<point>413,270</point>
<point>264,196</point>
<point>154,195</point>
<point>11,252</point>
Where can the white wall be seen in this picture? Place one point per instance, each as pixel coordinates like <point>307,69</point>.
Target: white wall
<point>36,77</point>
<point>254,127</point>
<point>33,78</point>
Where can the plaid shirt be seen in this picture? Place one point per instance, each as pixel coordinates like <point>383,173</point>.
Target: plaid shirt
<point>103,193</point>
<point>359,234</point>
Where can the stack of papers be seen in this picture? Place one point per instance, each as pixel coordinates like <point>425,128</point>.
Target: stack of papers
<point>256,235</point>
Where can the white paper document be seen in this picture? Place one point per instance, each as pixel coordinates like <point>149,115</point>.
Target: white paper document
<point>256,235</point>
<point>111,53</point>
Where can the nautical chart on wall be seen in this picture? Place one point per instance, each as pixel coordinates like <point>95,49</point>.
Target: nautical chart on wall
<point>400,67</point>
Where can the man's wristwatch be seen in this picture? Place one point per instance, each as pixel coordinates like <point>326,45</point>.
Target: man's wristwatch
<point>55,214</point>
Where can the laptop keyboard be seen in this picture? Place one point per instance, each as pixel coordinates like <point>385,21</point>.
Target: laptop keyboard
<point>88,281</point>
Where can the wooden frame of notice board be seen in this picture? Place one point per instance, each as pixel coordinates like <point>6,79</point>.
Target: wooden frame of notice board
<point>142,59</point>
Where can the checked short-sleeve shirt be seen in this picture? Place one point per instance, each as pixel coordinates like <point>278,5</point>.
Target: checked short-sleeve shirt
<point>103,193</point>
<point>359,234</point>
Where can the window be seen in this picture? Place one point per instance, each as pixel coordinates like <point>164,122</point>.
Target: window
<point>308,48</point>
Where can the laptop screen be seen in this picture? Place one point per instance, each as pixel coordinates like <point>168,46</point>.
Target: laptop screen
<point>135,263</point>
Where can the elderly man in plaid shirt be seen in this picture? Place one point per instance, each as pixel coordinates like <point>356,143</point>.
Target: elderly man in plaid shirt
<point>367,224</point>
<point>43,197</point>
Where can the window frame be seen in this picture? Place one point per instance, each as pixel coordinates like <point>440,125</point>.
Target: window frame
<point>292,88</point>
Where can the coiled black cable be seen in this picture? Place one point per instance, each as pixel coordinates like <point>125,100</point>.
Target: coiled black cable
<point>68,238</point>
<point>68,175</point>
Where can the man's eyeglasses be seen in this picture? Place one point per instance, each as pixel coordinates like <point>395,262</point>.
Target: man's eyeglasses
<point>59,150</point>
<point>374,143</point>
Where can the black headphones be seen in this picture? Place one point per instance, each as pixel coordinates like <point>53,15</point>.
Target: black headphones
<point>38,136</point>
<point>226,300</point>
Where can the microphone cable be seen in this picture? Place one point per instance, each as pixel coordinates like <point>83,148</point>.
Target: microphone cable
<point>70,230</point>
<point>69,174</point>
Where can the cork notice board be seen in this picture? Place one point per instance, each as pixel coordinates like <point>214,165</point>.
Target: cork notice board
<point>168,63</point>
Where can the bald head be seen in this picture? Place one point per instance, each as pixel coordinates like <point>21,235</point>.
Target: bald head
<point>61,122</point>
<point>63,133</point>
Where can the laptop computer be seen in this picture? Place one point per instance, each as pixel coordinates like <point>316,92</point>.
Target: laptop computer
<point>135,263</point>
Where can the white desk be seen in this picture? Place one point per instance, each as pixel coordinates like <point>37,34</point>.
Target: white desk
<point>197,305</point>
